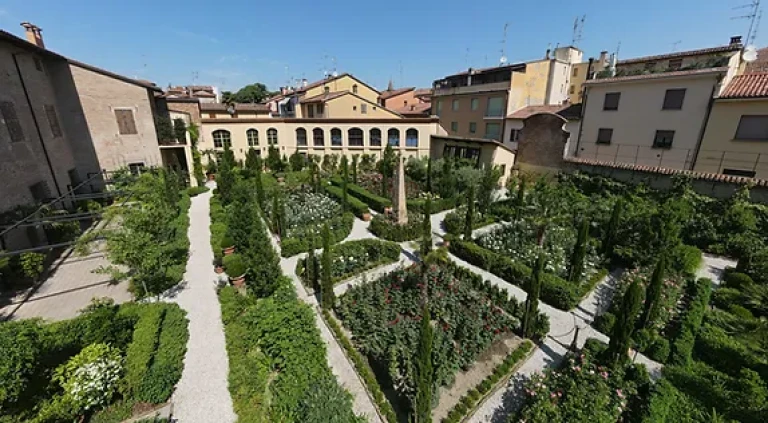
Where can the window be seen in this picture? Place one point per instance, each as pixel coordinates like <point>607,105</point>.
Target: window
<point>663,139</point>
<point>673,99</point>
<point>364,109</point>
<point>393,137</point>
<point>604,135</point>
<point>752,127</point>
<point>336,137</point>
<point>493,130</point>
<point>375,137</point>
<point>318,137</point>
<point>439,107</point>
<point>74,178</point>
<point>327,89</point>
<point>320,109</point>
<point>38,64</point>
<point>310,110</point>
<point>412,138</point>
<point>572,90</point>
<point>495,107</point>
<point>8,113</point>
<point>455,105</point>
<point>454,126</point>
<point>126,125</point>
<point>355,137</point>
<point>272,136</point>
<point>472,127</point>
<point>470,153</point>
<point>675,64</point>
<point>253,137</point>
<point>354,108</point>
<point>301,137</point>
<point>611,101</point>
<point>737,172</point>
<point>354,88</point>
<point>221,137</point>
<point>138,168</point>
<point>575,71</point>
<point>475,104</point>
<point>40,191</point>
<point>53,120</point>
<point>405,103</point>
<point>503,170</point>
<point>514,135</point>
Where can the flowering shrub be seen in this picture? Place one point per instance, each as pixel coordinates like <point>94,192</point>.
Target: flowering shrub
<point>384,315</point>
<point>352,257</point>
<point>89,379</point>
<point>305,207</point>
<point>386,227</point>
<point>372,183</point>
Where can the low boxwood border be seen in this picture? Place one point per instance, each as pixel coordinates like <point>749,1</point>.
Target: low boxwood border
<point>468,404</point>
<point>437,205</point>
<point>390,249</point>
<point>356,206</point>
<point>289,247</point>
<point>454,222</point>
<point>373,201</point>
<point>391,231</point>
<point>690,322</point>
<point>363,369</point>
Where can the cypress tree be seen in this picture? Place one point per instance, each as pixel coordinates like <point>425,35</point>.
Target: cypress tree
<point>579,253</point>
<point>613,225</point>
<point>532,300</point>
<point>344,178</point>
<point>426,230</point>
<point>520,198</point>
<point>260,197</point>
<point>422,407</point>
<point>429,174</point>
<point>252,160</point>
<point>625,323</point>
<point>354,169</point>
<point>226,179</point>
<point>653,296</point>
<point>328,298</point>
<point>275,213</point>
<point>470,214</point>
<point>311,267</point>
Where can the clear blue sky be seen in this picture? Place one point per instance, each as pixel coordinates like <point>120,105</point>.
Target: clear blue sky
<point>234,42</point>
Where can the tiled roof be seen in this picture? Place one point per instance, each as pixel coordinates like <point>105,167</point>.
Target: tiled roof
<point>239,107</point>
<point>705,176</point>
<point>566,111</point>
<point>203,94</point>
<point>752,85</point>
<point>323,97</point>
<point>414,109</point>
<point>423,92</point>
<point>657,75</point>
<point>761,64</point>
<point>679,54</point>
<point>387,94</point>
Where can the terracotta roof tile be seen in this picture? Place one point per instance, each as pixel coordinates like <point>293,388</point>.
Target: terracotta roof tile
<point>388,94</point>
<point>323,97</point>
<point>239,107</point>
<point>657,75</point>
<point>700,52</point>
<point>705,176</point>
<point>566,111</point>
<point>752,85</point>
<point>761,64</point>
<point>414,109</point>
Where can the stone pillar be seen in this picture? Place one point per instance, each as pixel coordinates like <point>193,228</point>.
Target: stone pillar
<point>399,201</point>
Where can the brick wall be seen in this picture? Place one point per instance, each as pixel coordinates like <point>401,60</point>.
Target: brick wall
<point>542,141</point>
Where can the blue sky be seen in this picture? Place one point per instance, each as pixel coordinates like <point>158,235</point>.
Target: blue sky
<point>235,42</point>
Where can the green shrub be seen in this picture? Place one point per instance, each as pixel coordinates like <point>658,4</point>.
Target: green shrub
<point>658,350</point>
<point>715,347</point>
<point>454,221</point>
<point>373,201</point>
<point>724,297</point>
<point>690,321</point>
<point>685,259</point>
<point>168,361</point>
<point>193,191</point>
<point>738,280</point>
<point>605,322</point>
<point>22,345</point>
<point>353,257</point>
<point>358,207</point>
<point>139,355</point>
<point>85,390</point>
<point>234,265</point>
<point>438,204</point>
<point>383,227</point>
<point>740,312</point>
<point>340,226</point>
<point>226,242</point>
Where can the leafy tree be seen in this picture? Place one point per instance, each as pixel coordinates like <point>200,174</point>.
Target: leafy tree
<point>488,184</point>
<point>327,296</point>
<point>387,168</point>
<point>297,161</point>
<point>422,407</point>
<point>579,253</point>
<point>226,179</point>
<point>609,239</point>
<point>197,162</point>
<point>164,129</point>
<point>253,160</point>
<point>625,324</point>
<point>532,300</point>
<point>274,162</point>
<point>355,157</point>
<point>426,230</point>
<point>314,171</point>
<point>653,297</point>
<point>180,130</point>
<point>470,214</point>
<point>253,93</point>
<point>448,183</point>
<point>344,179</point>
<point>429,175</point>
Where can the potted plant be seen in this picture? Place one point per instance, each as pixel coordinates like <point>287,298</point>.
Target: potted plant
<point>235,267</point>
<point>280,177</point>
<point>218,267</point>
<point>367,216</point>
<point>228,245</point>
<point>211,169</point>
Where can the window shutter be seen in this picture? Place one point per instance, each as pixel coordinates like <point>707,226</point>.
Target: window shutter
<point>53,120</point>
<point>8,113</point>
<point>125,122</point>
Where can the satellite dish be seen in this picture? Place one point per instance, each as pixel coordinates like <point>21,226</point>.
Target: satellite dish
<point>750,54</point>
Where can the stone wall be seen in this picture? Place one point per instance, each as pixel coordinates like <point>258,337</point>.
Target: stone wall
<point>541,143</point>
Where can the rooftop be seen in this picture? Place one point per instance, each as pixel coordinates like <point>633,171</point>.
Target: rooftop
<point>751,85</point>
<point>657,75</point>
<point>323,97</point>
<point>388,94</point>
<point>414,109</point>
<point>680,54</point>
<point>239,107</point>
<point>566,111</point>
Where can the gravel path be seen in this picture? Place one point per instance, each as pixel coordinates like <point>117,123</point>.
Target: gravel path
<point>202,394</point>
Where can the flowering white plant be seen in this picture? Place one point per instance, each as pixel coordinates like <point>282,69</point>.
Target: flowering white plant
<point>90,378</point>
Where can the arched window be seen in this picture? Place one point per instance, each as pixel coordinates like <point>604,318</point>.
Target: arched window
<point>221,137</point>
<point>412,137</point>
<point>355,137</point>
<point>272,136</point>
<point>354,88</point>
<point>301,137</point>
<point>375,137</point>
<point>335,137</point>
<point>393,137</point>
<point>253,137</point>
<point>318,137</point>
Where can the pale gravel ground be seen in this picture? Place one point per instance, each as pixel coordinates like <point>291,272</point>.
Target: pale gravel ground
<point>202,394</point>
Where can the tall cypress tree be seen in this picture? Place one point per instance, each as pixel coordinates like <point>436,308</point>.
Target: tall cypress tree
<point>532,300</point>
<point>429,174</point>
<point>260,197</point>
<point>613,225</point>
<point>520,198</point>
<point>625,323</point>
<point>226,179</point>
<point>579,253</point>
<point>311,267</point>
<point>275,215</point>
<point>354,169</point>
<point>328,298</point>
<point>426,230</point>
<point>422,407</point>
<point>344,179</point>
<point>470,214</point>
<point>252,160</point>
<point>653,296</point>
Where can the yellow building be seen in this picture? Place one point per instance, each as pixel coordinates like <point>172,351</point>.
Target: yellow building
<point>735,141</point>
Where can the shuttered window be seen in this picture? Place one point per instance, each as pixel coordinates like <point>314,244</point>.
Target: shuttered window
<point>53,120</point>
<point>11,120</point>
<point>753,127</point>
<point>126,124</point>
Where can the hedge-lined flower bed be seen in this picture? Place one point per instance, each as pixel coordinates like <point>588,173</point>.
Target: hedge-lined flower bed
<point>357,207</point>
<point>387,228</point>
<point>353,257</point>
<point>436,205</point>
<point>455,220</point>
<point>501,373</point>
<point>373,201</point>
<point>690,321</point>
<point>310,236</point>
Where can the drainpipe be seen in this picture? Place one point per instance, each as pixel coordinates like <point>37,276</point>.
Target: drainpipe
<point>704,126</point>
<point>37,125</point>
<point>583,105</point>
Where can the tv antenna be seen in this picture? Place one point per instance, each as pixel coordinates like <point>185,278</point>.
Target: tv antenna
<point>195,74</point>
<point>578,29</point>
<point>754,13</point>
<point>675,44</point>
<point>503,58</point>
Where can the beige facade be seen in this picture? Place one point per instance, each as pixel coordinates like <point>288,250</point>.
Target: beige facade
<point>629,134</point>
<point>344,82</point>
<point>721,149</point>
<point>345,105</point>
<point>486,152</point>
<point>473,115</point>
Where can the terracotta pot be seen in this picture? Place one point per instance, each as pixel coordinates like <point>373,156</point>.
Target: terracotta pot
<point>387,210</point>
<point>229,250</point>
<point>211,176</point>
<point>238,282</point>
<point>446,243</point>
<point>280,179</point>
<point>366,217</point>
<point>219,269</point>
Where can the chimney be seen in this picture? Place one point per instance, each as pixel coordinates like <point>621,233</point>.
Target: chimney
<point>34,34</point>
<point>546,56</point>
<point>736,40</point>
<point>603,58</point>
<point>283,90</point>
<point>469,77</point>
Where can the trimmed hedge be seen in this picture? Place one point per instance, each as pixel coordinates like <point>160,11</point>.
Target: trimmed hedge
<point>469,402</point>
<point>438,204</point>
<point>690,321</point>
<point>555,291</point>
<point>193,191</point>
<point>363,369</point>
<point>374,201</point>
<point>139,355</point>
<point>391,231</point>
<point>382,252</point>
<point>356,206</point>
<point>343,226</point>
<point>454,221</point>
<point>715,347</point>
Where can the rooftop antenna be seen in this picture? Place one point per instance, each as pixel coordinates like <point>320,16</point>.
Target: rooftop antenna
<point>618,48</point>
<point>333,67</point>
<point>753,15</point>
<point>675,44</point>
<point>466,58</point>
<point>503,58</point>
<point>195,74</point>
<point>578,29</point>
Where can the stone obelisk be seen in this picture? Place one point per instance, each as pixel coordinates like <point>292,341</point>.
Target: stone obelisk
<point>399,201</point>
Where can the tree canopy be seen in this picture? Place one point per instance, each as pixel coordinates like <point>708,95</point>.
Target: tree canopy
<point>253,93</point>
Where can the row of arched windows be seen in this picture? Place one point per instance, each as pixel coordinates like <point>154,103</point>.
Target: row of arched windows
<point>354,137</point>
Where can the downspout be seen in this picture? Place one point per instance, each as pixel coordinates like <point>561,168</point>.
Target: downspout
<point>704,127</point>
<point>37,125</point>
<point>584,98</point>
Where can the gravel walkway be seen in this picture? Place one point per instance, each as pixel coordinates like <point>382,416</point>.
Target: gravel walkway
<point>202,394</point>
